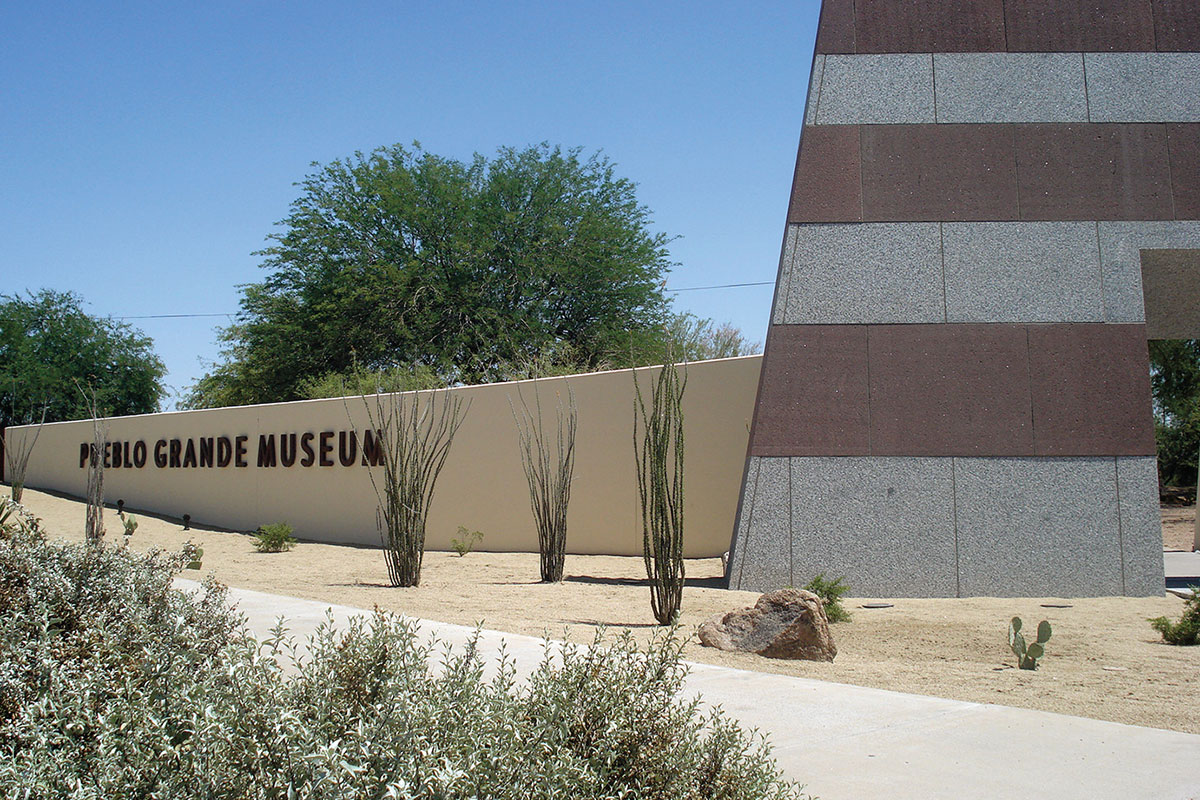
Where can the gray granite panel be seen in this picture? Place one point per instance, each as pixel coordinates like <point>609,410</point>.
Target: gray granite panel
<point>1038,527</point>
<point>737,551</point>
<point>766,565</point>
<point>778,314</point>
<point>1143,87</point>
<point>1121,244</point>
<point>814,91</point>
<point>1141,525</point>
<point>888,272</point>
<point>876,89</point>
<point>886,524</point>
<point>1022,272</point>
<point>1010,87</point>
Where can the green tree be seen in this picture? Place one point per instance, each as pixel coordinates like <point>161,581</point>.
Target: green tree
<point>402,258</point>
<point>50,347</point>
<point>694,339</point>
<point>360,381</point>
<point>1175,386</point>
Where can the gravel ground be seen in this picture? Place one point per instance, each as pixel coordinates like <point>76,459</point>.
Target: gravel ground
<point>1104,661</point>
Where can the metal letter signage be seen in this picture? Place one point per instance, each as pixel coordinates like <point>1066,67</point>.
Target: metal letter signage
<point>218,452</point>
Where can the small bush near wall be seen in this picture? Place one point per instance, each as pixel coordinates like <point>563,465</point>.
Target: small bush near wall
<point>1187,630</point>
<point>274,538</point>
<point>115,685</point>
<point>467,542</point>
<point>831,593</point>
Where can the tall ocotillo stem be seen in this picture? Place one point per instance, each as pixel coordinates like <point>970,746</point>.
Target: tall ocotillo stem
<point>17,450</point>
<point>548,472</point>
<point>659,456</point>
<point>94,522</point>
<point>414,441</point>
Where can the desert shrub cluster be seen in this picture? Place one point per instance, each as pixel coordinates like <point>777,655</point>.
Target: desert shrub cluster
<point>274,538</point>
<point>1187,630</point>
<point>831,593</point>
<point>113,684</point>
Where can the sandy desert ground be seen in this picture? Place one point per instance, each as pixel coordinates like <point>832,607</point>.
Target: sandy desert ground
<point>1104,660</point>
<point>1179,527</point>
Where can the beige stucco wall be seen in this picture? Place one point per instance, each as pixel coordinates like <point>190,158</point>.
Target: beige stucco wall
<point>482,486</point>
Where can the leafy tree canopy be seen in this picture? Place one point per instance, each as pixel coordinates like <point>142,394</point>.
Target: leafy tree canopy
<point>694,339</point>
<point>402,258</point>
<point>358,380</point>
<point>687,337</point>
<point>1175,376</point>
<point>1175,385</point>
<point>50,348</point>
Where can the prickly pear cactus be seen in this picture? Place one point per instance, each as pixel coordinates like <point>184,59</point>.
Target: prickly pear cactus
<point>1027,656</point>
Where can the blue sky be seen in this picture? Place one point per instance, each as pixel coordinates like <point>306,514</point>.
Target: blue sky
<point>147,149</point>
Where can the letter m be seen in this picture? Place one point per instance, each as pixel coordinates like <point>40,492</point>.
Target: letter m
<point>266,450</point>
<point>372,449</point>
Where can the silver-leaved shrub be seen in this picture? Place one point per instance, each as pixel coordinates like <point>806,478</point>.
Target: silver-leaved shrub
<point>113,684</point>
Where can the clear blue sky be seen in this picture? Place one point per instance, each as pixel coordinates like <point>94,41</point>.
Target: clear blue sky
<point>147,149</point>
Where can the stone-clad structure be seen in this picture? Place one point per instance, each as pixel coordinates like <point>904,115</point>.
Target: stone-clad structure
<point>955,395</point>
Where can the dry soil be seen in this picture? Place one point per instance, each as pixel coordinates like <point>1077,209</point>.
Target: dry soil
<point>1179,527</point>
<point>1104,660</point>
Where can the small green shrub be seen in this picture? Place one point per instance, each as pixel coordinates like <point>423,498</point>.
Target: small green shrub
<point>114,684</point>
<point>130,523</point>
<point>467,542</point>
<point>1187,630</point>
<point>831,593</point>
<point>274,538</point>
<point>1027,657</point>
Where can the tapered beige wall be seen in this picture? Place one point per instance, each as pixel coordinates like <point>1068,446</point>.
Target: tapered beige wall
<point>482,486</point>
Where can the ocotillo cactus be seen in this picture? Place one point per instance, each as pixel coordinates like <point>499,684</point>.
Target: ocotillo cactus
<point>659,455</point>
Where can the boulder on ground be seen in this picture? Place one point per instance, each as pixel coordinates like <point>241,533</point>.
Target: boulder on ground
<point>788,623</point>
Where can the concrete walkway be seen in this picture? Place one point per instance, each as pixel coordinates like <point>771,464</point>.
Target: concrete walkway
<point>854,743</point>
<point>1181,565</point>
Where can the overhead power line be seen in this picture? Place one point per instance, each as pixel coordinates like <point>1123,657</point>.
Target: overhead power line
<point>173,316</point>
<point>722,286</point>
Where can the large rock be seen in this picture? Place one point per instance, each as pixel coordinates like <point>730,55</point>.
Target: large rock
<point>788,623</point>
